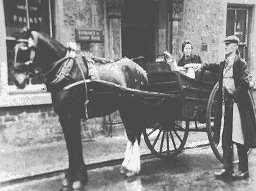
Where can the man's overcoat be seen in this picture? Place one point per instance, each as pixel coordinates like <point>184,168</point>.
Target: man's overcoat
<point>245,103</point>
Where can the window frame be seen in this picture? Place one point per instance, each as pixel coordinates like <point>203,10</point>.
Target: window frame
<point>243,45</point>
<point>32,94</point>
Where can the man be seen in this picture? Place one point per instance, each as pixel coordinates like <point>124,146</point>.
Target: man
<point>233,90</point>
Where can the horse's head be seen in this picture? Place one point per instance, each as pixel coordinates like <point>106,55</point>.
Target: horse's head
<point>24,54</point>
<point>34,53</point>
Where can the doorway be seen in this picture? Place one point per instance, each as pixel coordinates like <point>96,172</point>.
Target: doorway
<point>138,28</point>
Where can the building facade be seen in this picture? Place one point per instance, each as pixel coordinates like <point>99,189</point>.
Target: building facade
<point>207,22</point>
<point>107,28</point>
<point>111,29</point>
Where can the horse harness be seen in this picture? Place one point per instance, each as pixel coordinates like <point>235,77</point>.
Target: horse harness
<point>64,72</point>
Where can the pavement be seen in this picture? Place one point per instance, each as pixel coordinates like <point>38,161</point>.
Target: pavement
<point>192,170</point>
<point>17,163</point>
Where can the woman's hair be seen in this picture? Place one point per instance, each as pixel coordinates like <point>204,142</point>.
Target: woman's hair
<point>184,44</point>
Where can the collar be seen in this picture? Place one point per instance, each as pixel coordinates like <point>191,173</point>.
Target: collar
<point>230,60</point>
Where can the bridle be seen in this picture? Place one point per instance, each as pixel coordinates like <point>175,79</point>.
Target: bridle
<point>22,46</point>
<point>30,64</point>
<point>70,56</point>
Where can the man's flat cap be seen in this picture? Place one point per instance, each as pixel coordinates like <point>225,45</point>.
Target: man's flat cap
<point>232,39</point>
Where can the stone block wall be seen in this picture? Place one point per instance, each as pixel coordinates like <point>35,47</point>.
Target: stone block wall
<point>87,14</point>
<point>204,24</point>
<point>31,125</point>
<point>28,125</point>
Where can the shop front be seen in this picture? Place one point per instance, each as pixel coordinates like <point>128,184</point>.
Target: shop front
<point>109,28</point>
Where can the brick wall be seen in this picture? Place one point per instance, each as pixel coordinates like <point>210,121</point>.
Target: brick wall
<point>22,126</point>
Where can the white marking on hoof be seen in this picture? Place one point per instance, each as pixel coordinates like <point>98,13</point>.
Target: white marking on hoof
<point>77,185</point>
<point>65,182</point>
<point>123,170</point>
<point>131,173</point>
<point>132,159</point>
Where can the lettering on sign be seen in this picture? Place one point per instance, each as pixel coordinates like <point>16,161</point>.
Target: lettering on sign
<point>89,35</point>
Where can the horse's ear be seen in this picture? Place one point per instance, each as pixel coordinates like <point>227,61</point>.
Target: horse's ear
<point>24,33</point>
<point>27,32</point>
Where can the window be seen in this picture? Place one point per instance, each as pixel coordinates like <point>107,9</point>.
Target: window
<point>34,14</point>
<point>237,24</point>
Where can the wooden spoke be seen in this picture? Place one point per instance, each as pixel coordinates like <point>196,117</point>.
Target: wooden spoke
<point>177,135</point>
<point>167,143</point>
<point>154,144</point>
<point>162,141</point>
<point>173,141</point>
<point>152,132</point>
<point>160,144</point>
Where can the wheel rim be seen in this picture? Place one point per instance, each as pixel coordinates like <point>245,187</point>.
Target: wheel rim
<point>211,110</point>
<point>213,119</point>
<point>166,140</point>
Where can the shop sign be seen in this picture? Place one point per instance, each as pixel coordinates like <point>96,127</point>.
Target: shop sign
<point>89,35</point>
<point>19,14</point>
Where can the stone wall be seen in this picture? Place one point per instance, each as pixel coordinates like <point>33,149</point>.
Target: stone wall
<point>204,24</point>
<point>87,14</point>
<point>29,125</point>
<point>23,126</point>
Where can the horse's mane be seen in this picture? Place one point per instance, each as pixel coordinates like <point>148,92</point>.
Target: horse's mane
<point>54,45</point>
<point>137,66</point>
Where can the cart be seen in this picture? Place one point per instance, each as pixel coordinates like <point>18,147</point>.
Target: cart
<point>192,106</point>
<point>171,106</point>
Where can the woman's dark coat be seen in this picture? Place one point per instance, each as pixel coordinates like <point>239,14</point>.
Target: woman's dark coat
<point>241,96</point>
<point>191,59</point>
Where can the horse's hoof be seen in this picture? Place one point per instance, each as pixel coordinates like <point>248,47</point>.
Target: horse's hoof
<point>77,185</point>
<point>66,182</point>
<point>130,173</point>
<point>123,170</point>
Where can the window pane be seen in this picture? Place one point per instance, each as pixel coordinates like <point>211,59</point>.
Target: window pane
<point>230,22</point>
<point>39,15</point>
<point>16,19</point>
<point>10,57</point>
<point>240,29</point>
<point>15,15</point>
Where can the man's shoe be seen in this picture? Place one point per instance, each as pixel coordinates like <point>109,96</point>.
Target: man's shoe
<point>239,175</point>
<point>223,173</point>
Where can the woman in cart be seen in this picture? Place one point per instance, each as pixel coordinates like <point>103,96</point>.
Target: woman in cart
<point>188,64</point>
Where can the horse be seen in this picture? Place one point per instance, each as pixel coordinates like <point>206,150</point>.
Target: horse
<point>61,67</point>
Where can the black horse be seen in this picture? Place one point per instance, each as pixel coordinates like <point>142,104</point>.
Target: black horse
<point>62,67</point>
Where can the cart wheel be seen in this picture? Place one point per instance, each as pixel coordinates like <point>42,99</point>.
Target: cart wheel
<point>213,123</point>
<point>166,139</point>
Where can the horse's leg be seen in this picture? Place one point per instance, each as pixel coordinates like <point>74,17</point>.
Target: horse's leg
<point>77,173</point>
<point>131,163</point>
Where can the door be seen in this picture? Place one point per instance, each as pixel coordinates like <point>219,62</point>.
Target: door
<point>138,28</point>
